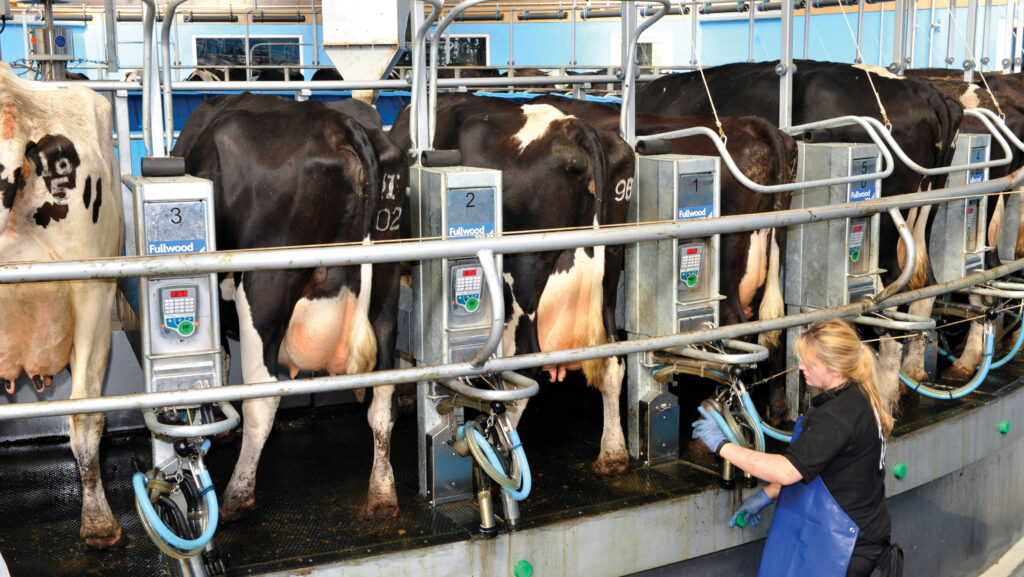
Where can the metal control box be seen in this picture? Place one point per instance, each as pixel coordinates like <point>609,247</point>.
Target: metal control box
<point>957,245</point>
<point>180,315</point>
<point>834,262</point>
<point>671,287</point>
<point>451,316</point>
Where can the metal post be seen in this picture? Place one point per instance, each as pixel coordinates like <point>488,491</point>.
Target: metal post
<point>511,42</point>
<point>860,33</point>
<point>572,36</point>
<point>693,36</point>
<point>785,67</point>
<point>950,30</point>
<point>1018,59</point>
<point>750,32</point>
<point>628,82</point>
<point>1007,63</point>
<point>881,29</point>
<point>807,27</point>
<point>898,38</point>
<point>970,63</point>
<point>931,32</point>
<point>109,22</point>
<point>421,120</point>
<point>908,52</point>
<point>316,39</point>
<point>984,35</point>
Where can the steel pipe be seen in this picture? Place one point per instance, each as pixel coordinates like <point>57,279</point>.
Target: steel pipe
<point>344,255</point>
<point>232,419</point>
<point>486,258</point>
<point>752,353</point>
<point>626,129</point>
<point>909,248</point>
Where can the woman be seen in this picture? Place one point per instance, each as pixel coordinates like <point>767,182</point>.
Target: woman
<point>831,518</point>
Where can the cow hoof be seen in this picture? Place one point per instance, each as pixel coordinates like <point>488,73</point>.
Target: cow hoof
<point>957,372</point>
<point>610,465</point>
<point>380,509</point>
<point>230,515</point>
<point>115,541</point>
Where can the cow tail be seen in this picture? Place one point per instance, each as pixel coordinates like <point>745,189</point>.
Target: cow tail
<point>362,343</point>
<point>772,305</point>
<point>595,330</point>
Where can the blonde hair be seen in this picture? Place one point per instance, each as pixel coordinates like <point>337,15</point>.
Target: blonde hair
<point>836,344</point>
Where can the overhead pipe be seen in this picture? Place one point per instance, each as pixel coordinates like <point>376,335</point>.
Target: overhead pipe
<point>165,49</point>
<point>418,82</point>
<point>527,15</point>
<point>626,128</point>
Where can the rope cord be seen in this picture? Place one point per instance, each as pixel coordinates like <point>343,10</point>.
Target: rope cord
<point>970,55</point>
<point>707,90</point>
<point>878,98</point>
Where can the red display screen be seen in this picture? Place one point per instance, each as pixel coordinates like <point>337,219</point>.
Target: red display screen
<point>469,272</point>
<point>970,210</point>
<point>857,228</point>
<point>691,251</point>
<point>179,294</point>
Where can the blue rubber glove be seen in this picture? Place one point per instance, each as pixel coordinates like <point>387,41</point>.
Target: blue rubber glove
<point>751,508</point>
<point>707,431</point>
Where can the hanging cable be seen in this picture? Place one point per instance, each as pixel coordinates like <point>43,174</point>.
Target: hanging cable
<point>970,56</point>
<point>878,98</point>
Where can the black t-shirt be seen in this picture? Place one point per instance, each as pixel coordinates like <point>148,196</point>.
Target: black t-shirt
<point>842,442</point>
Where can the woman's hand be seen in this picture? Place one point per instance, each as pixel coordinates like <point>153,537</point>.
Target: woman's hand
<point>751,509</point>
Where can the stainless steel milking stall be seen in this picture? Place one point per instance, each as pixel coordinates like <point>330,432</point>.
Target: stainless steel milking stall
<point>459,313</point>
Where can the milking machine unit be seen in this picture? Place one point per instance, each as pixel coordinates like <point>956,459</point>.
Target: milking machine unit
<point>672,287</point>
<point>958,246</point>
<point>181,349</point>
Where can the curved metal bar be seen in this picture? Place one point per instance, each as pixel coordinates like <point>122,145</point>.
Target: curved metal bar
<point>434,40</point>
<point>497,309</point>
<point>189,431</point>
<point>752,353</point>
<point>147,74</point>
<point>995,132</point>
<point>898,321</point>
<point>418,81</point>
<point>629,66</point>
<point>910,263</point>
<point>988,290</point>
<point>880,128</point>
<point>1001,125</point>
<point>165,50</point>
<point>774,188</point>
<point>488,395</point>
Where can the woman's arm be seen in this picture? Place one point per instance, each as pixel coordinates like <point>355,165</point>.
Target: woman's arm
<point>775,469</point>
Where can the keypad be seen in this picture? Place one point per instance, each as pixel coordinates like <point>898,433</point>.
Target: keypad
<point>689,264</point>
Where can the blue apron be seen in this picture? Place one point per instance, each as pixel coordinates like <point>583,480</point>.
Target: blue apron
<point>810,533</point>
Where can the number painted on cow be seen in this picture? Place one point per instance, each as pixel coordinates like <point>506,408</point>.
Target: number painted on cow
<point>389,219</point>
<point>624,190</point>
<point>175,215</point>
<point>388,187</point>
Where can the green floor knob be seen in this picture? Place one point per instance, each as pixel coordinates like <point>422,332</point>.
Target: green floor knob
<point>522,569</point>
<point>899,470</point>
<point>1004,426</point>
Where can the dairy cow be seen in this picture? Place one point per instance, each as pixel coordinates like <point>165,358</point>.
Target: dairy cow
<point>749,282</point>
<point>292,173</point>
<point>924,122</point>
<point>60,200</point>
<point>555,175</point>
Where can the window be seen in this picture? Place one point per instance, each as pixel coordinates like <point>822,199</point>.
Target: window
<point>463,50</point>
<point>213,51</point>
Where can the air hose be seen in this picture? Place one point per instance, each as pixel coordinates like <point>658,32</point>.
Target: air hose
<point>979,376</point>
<point>485,456</point>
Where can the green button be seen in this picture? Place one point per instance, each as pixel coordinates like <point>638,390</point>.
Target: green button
<point>855,254</point>
<point>742,520</point>
<point>1004,426</point>
<point>522,568</point>
<point>472,304</point>
<point>691,280</point>
<point>186,328</point>
<point>899,470</point>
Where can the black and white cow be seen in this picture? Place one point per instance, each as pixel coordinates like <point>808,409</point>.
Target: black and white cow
<point>60,200</point>
<point>766,155</point>
<point>290,173</point>
<point>555,176</point>
<point>924,123</point>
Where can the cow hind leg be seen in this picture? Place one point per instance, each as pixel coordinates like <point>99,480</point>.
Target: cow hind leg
<point>93,302</point>
<point>381,499</point>
<point>613,458</point>
<point>258,414</point>
<point>964,367</point>
<point>913,363</point>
